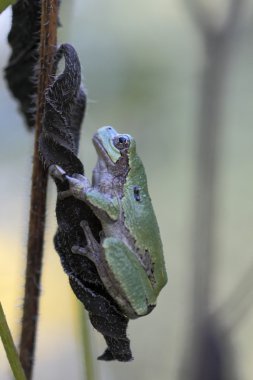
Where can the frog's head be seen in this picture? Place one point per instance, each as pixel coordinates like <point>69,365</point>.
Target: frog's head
<point>112,145</point>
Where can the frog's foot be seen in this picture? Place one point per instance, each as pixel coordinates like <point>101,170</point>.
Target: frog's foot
<point>91,241</point>
<point>78,184</point>
<point>92,248</point>
<point>57,172</point>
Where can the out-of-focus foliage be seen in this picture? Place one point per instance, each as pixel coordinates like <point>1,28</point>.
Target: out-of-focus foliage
<point>10,348</point>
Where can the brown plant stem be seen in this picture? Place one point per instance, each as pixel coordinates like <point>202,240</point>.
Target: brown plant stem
<point>48,30</point>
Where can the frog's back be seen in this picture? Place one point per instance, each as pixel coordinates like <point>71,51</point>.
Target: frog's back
<point>141,221</point>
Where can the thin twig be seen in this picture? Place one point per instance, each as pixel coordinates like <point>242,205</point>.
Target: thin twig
<point>10,348</point>
<point>49,16</point>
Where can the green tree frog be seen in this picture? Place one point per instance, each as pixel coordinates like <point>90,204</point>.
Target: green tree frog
<point>129,256</point>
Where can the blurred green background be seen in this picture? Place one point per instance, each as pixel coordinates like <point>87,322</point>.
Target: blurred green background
<point>142,66</point>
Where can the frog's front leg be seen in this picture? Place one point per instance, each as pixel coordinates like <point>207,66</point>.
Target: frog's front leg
<point>78,184</point>
<point>80,188</point>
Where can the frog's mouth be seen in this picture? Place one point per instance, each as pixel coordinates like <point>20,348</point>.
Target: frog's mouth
<point>103,142</point>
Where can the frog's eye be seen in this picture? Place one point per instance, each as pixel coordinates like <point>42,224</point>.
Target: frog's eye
<point>121,142</point>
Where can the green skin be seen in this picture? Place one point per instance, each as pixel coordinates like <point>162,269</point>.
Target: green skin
<point>129,257</point>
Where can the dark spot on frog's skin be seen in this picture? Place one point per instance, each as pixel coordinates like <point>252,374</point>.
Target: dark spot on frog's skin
<point>137,195</point>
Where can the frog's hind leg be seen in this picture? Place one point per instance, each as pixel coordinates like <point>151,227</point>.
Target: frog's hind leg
<point>92,248</point>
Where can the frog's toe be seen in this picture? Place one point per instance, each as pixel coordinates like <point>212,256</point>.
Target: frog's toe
<point>91,241</point>
<point>79,250</point>
<point>78,176</point>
